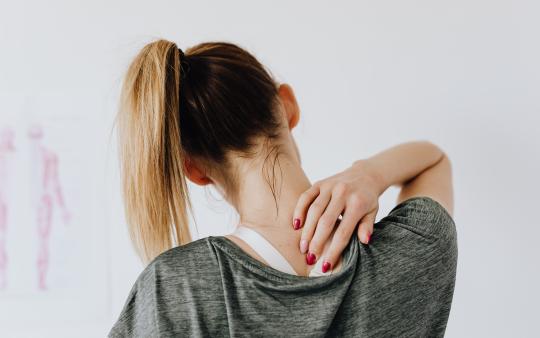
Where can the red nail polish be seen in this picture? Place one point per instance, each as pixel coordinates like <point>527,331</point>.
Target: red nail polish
<point>326,266</point>
<point>310,258</point>
<point>368,238</point>
<point>296,224</point>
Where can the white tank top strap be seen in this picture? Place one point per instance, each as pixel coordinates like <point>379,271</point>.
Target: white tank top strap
<point>263,247</point>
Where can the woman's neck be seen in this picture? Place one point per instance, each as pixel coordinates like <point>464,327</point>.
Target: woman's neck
<point>259,206</point>
<point>273,217</point>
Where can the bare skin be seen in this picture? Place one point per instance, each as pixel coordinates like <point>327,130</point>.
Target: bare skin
<point>419,168</point>
<point>258,211</point>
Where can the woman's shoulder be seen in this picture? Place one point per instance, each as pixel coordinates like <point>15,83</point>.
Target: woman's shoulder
<point>195,260</point>
<point>174,274</point>
<point>420,230</point>
<point>417,240</point>
<point>422,215</point>
<point>183,254</point>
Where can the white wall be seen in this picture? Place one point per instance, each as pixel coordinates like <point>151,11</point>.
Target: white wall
<point>368,75</point>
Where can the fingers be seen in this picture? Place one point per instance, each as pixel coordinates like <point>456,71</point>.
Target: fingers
<point>302,205</point>
<point>365,229</point>
<point>314,213</point>
<point>343,234</point>
<point>341,238</point>
<point>317,211</point>
<point>326,223</point>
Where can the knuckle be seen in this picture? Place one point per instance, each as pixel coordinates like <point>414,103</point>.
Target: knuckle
<point>317,205</point>
<point>340,189</point>
<point>356,201</point>
<point>324,221</point>
<point>340,237</point>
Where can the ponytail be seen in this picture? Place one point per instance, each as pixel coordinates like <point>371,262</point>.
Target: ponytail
<point>156,197</point>
<point>172,111</point>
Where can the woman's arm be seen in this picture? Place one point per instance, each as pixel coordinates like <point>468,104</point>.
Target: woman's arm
<point>420,168</point>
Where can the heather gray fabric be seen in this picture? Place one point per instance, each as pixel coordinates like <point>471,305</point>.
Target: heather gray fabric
<point>400,285</point>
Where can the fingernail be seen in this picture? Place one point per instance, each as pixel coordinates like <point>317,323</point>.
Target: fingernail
<point>310,258</point>
<point>296,224</point>
<point>326,266</point>
<point>368,237</point>
<point>303,246</point>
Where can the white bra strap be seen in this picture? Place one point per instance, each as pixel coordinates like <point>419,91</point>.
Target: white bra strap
<point>266,250</point>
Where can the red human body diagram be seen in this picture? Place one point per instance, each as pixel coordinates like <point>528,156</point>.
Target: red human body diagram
<point>50,198</point>
<point>6,147</point>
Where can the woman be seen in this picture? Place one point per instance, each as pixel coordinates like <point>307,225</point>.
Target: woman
<point>215,116</point>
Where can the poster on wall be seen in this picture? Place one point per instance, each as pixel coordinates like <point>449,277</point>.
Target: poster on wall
<point>53,243</point>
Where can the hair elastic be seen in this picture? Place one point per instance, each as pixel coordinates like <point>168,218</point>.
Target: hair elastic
<point>184,64</point>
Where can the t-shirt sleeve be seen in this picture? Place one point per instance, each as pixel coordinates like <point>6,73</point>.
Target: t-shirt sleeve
<point>424,216</point>
<point>137,318</point>
<point>415,248</point>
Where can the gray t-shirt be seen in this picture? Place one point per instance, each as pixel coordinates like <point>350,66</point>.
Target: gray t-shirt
<point>400,285</point>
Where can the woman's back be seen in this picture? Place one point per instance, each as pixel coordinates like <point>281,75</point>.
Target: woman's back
<point>401,285</point>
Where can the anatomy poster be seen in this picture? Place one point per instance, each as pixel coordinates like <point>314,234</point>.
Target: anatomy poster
<point>53,242</point>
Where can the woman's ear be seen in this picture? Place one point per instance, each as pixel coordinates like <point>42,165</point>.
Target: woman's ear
<point>195,174</point>
<point>292,111</point>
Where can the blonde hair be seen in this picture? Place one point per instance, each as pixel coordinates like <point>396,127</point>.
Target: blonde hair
<point>216,99</point>
<point>155,192</point>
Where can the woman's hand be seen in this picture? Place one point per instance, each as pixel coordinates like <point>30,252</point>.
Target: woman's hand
<point>355,194</point>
